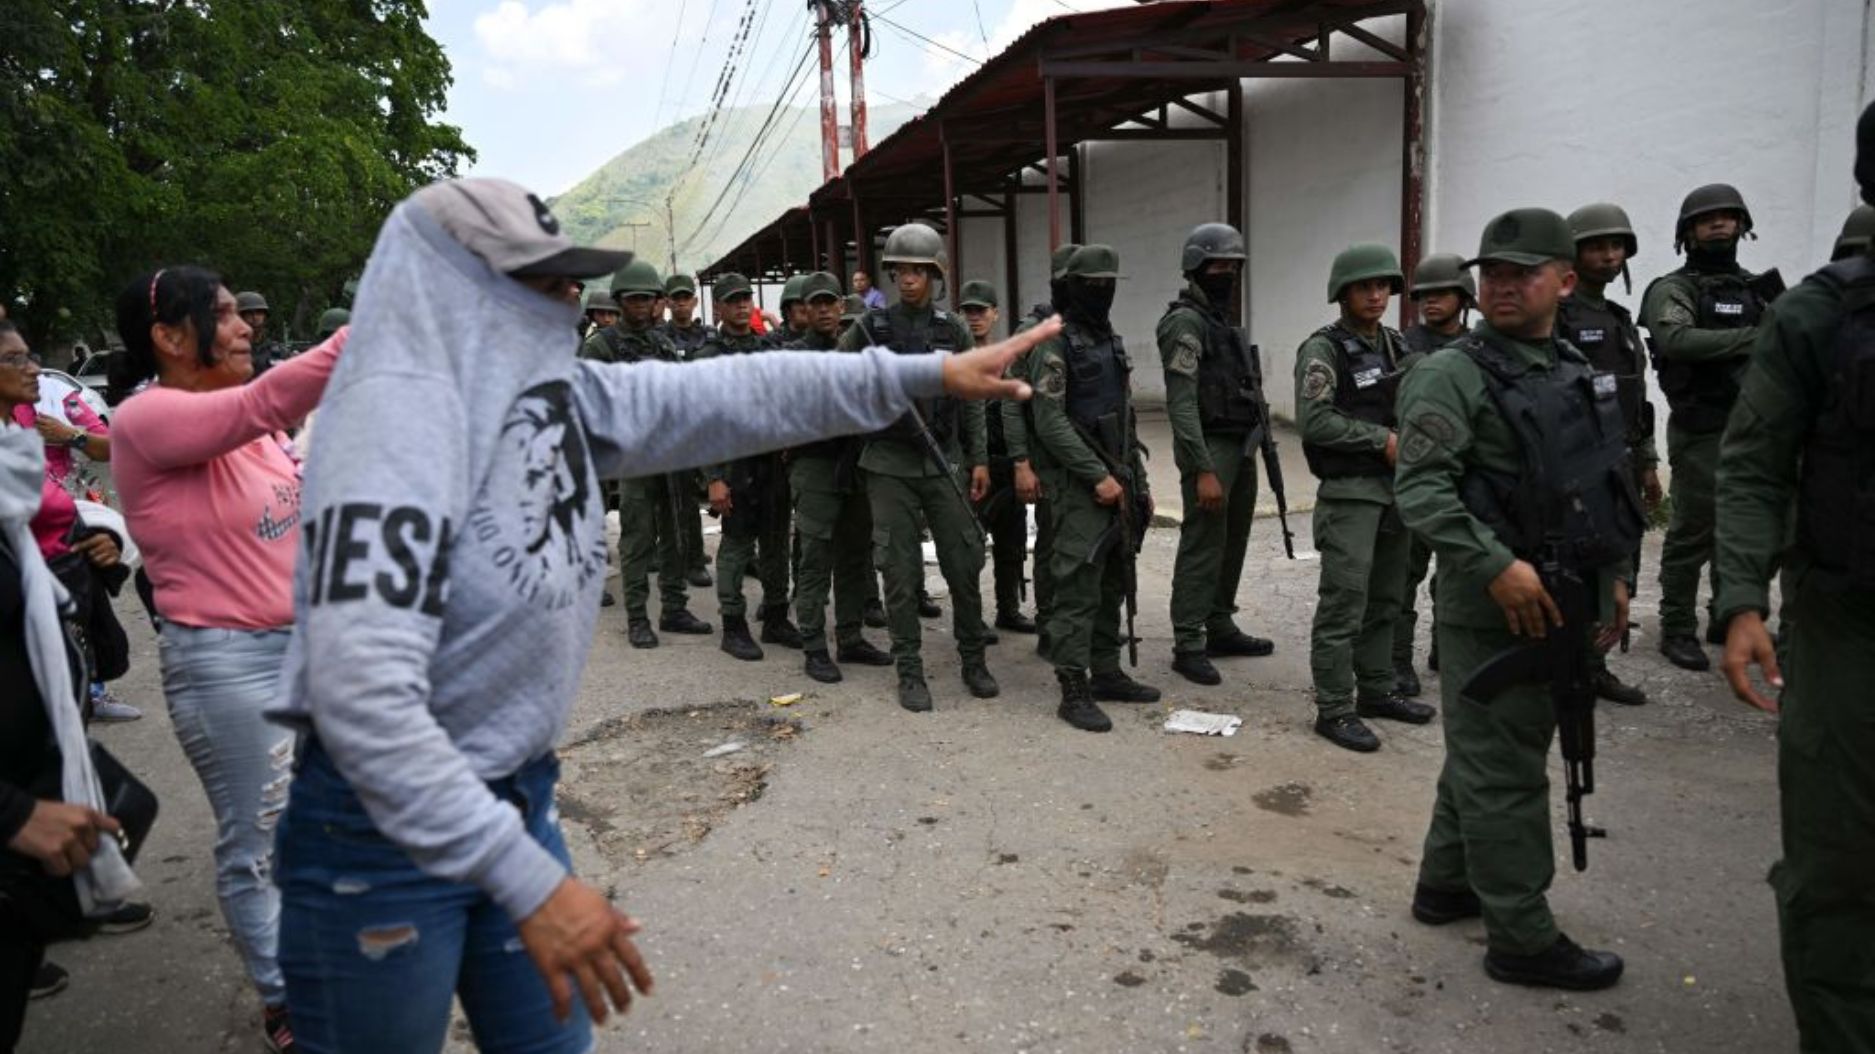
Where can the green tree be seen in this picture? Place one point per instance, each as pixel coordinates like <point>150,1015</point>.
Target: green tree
<point>265,138</point>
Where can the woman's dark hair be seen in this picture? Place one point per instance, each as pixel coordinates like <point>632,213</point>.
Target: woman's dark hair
<point>169,296</point>
<point>7,325</point>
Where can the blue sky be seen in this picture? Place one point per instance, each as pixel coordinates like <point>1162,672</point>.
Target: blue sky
<point>547,90</point>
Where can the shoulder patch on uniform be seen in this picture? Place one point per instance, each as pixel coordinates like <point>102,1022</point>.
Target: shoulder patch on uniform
<point>1053,383</point>
<point>1318,381</point>
<point>1187,349</point>
<point>1415,446</point>
<point>1425,432</point>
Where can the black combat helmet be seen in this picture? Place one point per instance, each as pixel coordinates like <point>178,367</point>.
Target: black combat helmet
<point>1211,241</point>
<point>1713,197</point>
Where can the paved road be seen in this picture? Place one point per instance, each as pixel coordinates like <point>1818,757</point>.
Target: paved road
<point>985,878</point>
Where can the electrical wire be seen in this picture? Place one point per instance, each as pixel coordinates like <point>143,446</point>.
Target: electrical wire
<point>677,34</point>
<point>917,36</point>
<point>755,142</point>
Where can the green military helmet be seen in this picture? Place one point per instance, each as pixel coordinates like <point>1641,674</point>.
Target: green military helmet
<point>599,299</point>
<point>1444,271</point>
<point>680,283</point>
<point>1527,238</point>
<point>818,285</point>
<point>245,302</point>
<point>1093,261</point>
<point>791,290</point>
<point>1058,260</point>
<point>1211,241</point>
<point>1602,220</point>
<point>731,284</point>
<point>1360,262</point>
<point>1712,197</point>
<point>978,293</point>
<point>914,243</point>
<point>331,320</point>
<point>852,307</point>
<point>638,278</point>
<point>1857,233</point>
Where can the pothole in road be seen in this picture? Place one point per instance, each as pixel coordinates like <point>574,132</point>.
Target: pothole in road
<point>655,783</point>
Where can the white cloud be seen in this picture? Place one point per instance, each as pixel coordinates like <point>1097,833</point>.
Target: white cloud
<point>602,41</point>
<point>939,68</point>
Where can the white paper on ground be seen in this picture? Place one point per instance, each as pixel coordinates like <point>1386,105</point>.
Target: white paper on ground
<point>1201,723</point>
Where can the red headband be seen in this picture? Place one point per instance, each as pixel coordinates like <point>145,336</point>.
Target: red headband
<point>155,278</point>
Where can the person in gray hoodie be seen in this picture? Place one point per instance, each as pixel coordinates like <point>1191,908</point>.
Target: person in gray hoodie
<point>446,591</point>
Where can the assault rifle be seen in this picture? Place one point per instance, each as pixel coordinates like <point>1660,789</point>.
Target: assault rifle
<point>935,452</point>
<point>1129,519</point>
<point>1561,661</point>
<point>1264,435</point>
<point>682,496</point>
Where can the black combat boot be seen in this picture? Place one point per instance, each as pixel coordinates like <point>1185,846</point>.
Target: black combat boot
<point>638,631</point>
<point>1393,706</point>
<point>1114,686</point>
<point>1196,667</point>
<point>1564,964</point>
<point>990,636</point>
<point>874,614</point>
<point>821,668</point>
<point>778,628</point>
<point>736,639</point>
<point>1077,703</point>
<point>1406,679</point>
<point>1237,642</point>
<point>862,653</point>
<point>1436,907</point>
<point>699,578</point>
<point>1611,688</point>
<point>1014,621</point>
<point>1348,732</point>
<point>912,693</point>
<point>1683,650</point>
<point>927,607</point>
<point>682,621</point>
<point>977,678</point>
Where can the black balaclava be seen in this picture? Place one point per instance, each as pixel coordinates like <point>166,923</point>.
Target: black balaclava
<point>1216,287</point>
<point>1865,154</point>
<point>1717,256</point>
<point>1086,303</point>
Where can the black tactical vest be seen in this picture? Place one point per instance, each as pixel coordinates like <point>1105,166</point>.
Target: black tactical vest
<point>689,339</point>
<point>1098,372</point>
<point>1606,336</point>
<point>1422,339</point>
<point>1230,380</point>
<point>1574,493</point>
<point>1836,498</point>
<point>636,345</point>
<point>1701,394</point>
<point>893,328</point>
<point>1366,380</point>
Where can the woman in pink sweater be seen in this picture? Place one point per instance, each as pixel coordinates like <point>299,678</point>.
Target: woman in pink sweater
<point>211,490</point>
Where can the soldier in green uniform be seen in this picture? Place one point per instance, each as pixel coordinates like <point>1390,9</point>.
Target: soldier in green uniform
<point>904,479</point>
<point>1018,429</point>
<point>687,334</point>
<point>1347,373</point>
<point>833,521</point>
<point>330,321</point>
<point>1214,400</point>
<point>267,352</point>
<point>1801,435</point>
<point>647,522</point>
<point>1086,449</point>
<point>1444,292</point>
<point>751,497</point>
<point>1462,465</point>
<point>1858,231</point>
<point>1003,513</point>
<point>1701,320</point>
<point>1604,332</point>
<point>852,306</point>
<point>600,310</point>
<point>794,322</point>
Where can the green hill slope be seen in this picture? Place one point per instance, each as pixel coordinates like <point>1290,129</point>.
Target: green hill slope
<point>623,202</point>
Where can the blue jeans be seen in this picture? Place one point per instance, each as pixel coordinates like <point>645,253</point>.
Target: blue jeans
<point>374,948</point>
<point>217,682</point>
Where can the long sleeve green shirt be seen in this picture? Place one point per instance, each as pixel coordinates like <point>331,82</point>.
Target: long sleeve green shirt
<point>969,447</point>
<point>1783,394</point>
<point>1670,311</point>
<point>1056,443</point>
<point>1448,425</point>
<point>1324,424</point>
<point>1181,337</point>
<point>1015,414</point>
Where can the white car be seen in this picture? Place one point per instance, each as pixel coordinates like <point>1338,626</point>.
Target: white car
<point>95,373</point>
<point>55,385</point>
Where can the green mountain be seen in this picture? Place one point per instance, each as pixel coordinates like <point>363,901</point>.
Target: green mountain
<point>623,202</point>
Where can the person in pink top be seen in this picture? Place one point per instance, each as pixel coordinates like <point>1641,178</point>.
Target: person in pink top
<point>211,492</point>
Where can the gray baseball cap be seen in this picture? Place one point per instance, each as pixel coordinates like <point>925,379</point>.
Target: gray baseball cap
<point>512,229</point>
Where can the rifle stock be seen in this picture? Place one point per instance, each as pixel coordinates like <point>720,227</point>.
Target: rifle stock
<point>932,450</point>
<point>1559,660</point>
<point>1124,531</point>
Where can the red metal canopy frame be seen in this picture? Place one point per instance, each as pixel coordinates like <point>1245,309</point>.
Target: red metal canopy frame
<point>1016,126</point>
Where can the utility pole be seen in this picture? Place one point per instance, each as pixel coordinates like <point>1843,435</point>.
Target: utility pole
<point>634,229</point>
<point>670,230</point>
<point>856,32</point>
<point>824,17</point>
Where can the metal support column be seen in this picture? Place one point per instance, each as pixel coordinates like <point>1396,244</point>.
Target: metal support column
<point>829,115</point>
<point>1412,154</point>
<point>1234,193</point>
<point>952,235</point>
<point>1077,205</point>
<point>855,31</point>
<point>1054,177</point>
<point>862,240</point>
<point>1011,258</point>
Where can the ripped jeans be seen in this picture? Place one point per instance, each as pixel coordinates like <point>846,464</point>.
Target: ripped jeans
<point>217,682</point>
<point>374,948</point>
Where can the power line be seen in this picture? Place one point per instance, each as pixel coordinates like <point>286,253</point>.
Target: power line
<point>677,34</point>
<point>761,134</point>
<point>697,56</point>
<point>915,35</point>
<point>767,159</point>
<point>978,8</point>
